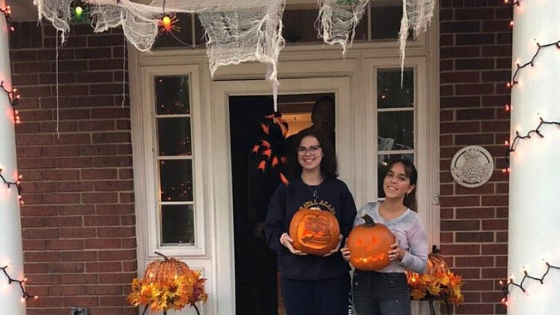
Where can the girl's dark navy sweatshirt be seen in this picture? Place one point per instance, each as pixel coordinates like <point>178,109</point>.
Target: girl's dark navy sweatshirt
<point>332,195</point>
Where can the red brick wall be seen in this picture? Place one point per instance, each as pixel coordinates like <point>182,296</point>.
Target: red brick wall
<point>78,218</point>
<point>475,48</point>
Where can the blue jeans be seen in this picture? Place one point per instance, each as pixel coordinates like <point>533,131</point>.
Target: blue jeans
<point>321,297</point>
<point>378,293</point>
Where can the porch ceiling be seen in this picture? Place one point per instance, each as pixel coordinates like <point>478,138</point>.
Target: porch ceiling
<point>24,10</point>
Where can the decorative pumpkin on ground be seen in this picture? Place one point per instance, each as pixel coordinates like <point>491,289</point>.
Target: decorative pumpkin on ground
<point>369,244</point>
<point>168,285</point>
<point>436,264</point>
<point>165,271</point>
<point>437,281</point>
<point>314,231</point>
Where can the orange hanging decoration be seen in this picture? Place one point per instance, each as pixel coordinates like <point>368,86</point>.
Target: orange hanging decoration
<point>168,23</point>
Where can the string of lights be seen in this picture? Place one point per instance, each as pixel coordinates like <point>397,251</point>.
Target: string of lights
<point>514,81</point>
<point>13,98</point>
<point>26,295</point>
<point>531,62</point>
<point>7,11</point>
<point>10,184</point>
<point>519,137</point>
<point>506,288</point>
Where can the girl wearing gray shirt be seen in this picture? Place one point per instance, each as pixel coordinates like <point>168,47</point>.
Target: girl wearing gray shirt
<point>385,291</point>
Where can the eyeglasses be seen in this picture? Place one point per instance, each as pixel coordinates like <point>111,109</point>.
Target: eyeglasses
<point>314,149</point>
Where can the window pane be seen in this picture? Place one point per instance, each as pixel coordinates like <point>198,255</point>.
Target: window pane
<point>172,95</point>
<point>174,136</point>
<point>395,130</point>
<point>389,92</point>
<point>301,26</point>
<point>385,21</point>
<point>177,224</point>
<point>383,161</point>
<point>176,180</point>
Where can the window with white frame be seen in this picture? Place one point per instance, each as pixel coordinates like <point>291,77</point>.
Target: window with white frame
<point>168,167</point>
<point>174,160</point>
<point>396,112</point>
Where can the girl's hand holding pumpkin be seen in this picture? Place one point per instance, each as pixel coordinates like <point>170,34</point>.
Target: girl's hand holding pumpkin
<point>287,241</point>
<point>336,248</point>
<point>345,252</point>
<point>396,252</point>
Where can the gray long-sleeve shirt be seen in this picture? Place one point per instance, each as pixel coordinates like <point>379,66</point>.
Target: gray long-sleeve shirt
<point>409,232</point>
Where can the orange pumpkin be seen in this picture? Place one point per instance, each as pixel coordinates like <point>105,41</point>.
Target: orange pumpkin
<point>369,244</point>
<point>436,265</point>
<point>164,271</point>
<point>314,231</point>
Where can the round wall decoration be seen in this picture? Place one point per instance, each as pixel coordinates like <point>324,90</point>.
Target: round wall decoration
<point>472,166</point>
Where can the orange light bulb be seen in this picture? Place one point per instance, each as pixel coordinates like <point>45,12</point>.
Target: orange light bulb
<point>166,22</point>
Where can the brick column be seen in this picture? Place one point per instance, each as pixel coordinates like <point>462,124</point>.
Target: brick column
<point>535,172</point>
<point>10,224</point>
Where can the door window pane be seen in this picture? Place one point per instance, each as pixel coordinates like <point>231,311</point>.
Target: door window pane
<point>176,180</point>
<point>396,130</point>
<point>175,159</point>
<point>177,224</point>
<point>389,91</point>
<point>174,136</point>
<point>172,95</point>
<point>395,119</point>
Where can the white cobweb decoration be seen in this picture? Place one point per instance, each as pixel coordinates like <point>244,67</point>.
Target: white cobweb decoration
<point>236,30</point>
<point>338,19</point>
<point>417,15</point>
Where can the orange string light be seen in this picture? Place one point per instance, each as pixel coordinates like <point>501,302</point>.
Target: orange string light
<point>11,280</point>
<point>7,11</point>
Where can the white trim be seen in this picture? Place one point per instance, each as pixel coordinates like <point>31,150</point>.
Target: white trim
<point>312,63</point>
<point>222,161</point>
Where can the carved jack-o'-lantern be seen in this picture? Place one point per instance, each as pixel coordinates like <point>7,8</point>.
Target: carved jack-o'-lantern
<point>369,244</point>
<point>314,231</point>
<point>164,271</point>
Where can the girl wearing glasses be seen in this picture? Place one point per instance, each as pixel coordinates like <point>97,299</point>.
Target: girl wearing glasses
<point>385,292</point>
<point>311,285</point>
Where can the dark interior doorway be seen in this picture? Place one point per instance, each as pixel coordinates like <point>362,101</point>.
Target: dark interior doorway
<point>256,289</point>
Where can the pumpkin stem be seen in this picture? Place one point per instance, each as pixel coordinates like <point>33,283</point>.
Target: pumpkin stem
<point>369,221</point>
<point>435,249</point>
<point>162,255</point>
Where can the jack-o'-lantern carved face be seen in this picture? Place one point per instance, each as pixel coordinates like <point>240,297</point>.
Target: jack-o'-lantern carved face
<point>369,245</point>
<point>314,231</point>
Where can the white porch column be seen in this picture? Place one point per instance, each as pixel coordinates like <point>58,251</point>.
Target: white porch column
<point>534,207</point>
<point>10,226</point>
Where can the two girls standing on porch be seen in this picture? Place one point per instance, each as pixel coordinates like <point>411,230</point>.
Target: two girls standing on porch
<point>311,285</point>
<point>385,292</point>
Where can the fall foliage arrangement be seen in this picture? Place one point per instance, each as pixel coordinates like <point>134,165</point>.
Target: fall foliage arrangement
<point>438,281</point>
<point>168,284</point>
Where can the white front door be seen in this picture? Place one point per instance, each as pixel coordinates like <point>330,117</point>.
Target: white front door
<point>223,226</point>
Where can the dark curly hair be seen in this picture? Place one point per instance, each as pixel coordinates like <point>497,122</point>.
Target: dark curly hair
<point>329,163</point>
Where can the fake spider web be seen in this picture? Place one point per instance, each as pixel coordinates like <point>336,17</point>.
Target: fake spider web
<point>236,30</point>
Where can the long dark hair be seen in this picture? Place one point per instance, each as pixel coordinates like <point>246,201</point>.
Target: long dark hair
<point>329,163</point>
<point>412,174</point>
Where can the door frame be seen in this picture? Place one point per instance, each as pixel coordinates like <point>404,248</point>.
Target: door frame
<point>223,201</point>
